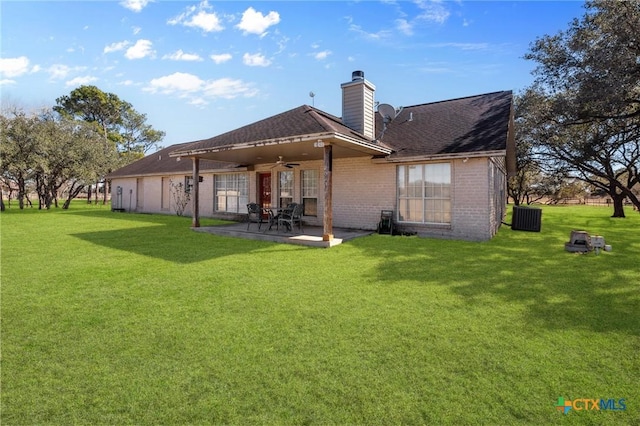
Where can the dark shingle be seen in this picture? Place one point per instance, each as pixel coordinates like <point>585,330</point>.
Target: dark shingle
<point>303,120</point>
<point>472,124</point>
<point>160,163</point>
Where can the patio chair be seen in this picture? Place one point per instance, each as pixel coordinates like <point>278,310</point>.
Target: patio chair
<point>385,226</point>
<point>255,215</point>
<point>290,216</point>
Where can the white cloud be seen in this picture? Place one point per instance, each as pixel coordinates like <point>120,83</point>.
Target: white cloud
<point>136,30</point>
<point>61,71</point>
<point>6,82</point>
<point>432,11</point>
<point>14,67</point>
<point>58,71</point>
<point>114,47</point>
<point>198,102</point>
<point>198,17</point>
<point>175,83</point>
<point>79,81</point>
<point>322,55</point>
<point>195,89</point>
<point>228,88</point>
<point>255,60</point>
<point>404,27</point>
<point>462,46</point>
<point>254,22</point>
<point>282,45</point>
<point>207,22</point>
<point>179,55</point>
<point>221,58</point>
<point>140,50</point>
<point>134,5</point>
<point>380,35</point>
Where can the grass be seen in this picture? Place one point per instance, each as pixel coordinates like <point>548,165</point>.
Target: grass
<point>114,318</point>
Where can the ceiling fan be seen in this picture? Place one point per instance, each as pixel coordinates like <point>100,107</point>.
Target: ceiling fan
<point>283,163</point>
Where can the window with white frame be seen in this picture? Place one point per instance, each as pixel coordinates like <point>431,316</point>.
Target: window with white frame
<point>231,192</point>
<point>424,193</point>
<point>285,187</point>
<point>310,192</point>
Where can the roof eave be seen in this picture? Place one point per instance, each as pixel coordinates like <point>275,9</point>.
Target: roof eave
<point>323,136</point>
<point>447,156</point>
<point>251,144</point>
<point>184,172</point>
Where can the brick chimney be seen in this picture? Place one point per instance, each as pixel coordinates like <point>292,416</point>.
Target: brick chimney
<point>358,105</point>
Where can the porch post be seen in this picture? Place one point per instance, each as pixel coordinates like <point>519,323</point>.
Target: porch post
<point>327,217</point>
<point>195,210</point>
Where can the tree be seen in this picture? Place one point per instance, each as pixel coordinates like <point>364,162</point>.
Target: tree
<point>604,153</point>
<point>524,186</point>
<point>73,155</point>
<point>90,104</point>
<point>47,151</point>
<point>586,99</point>
<point>121,125</point>
<point>18,148</point>
<point>137,137</point>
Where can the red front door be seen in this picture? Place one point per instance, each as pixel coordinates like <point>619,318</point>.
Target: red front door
<point>264,190</point>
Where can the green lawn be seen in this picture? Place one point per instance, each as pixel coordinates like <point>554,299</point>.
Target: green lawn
<point>115,318</point>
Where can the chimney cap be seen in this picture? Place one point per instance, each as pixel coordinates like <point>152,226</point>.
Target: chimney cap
<point>357,75</point>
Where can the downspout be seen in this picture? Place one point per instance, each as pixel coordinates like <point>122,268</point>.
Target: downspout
<point>327,217</point>
<point>195,211</point>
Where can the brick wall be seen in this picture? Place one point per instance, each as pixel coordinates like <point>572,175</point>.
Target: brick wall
<point>361,189</point>
<point>471,206</point>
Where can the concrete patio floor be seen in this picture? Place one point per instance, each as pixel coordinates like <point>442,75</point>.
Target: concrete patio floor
<point>312,235</point>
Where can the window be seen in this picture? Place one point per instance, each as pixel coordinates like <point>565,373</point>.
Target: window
<point>231,193</point>
<point>286,188</point>
<point>188,184</point>
<point>310,192</point>
<point>424,193</point>
<point>165,202</point>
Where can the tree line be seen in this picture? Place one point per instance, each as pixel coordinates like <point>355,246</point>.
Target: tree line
<point>578,124</point>
<point>70,147</point>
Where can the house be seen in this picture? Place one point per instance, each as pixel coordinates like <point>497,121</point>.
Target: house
<point>441,167</point>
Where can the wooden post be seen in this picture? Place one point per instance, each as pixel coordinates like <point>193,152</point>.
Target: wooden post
<point>327,217</point>
<point>195,194</point>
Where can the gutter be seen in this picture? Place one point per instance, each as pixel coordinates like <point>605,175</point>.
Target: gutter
<point>185,173</point>
<point>449,156</point>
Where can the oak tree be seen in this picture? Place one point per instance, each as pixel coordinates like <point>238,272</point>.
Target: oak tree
<point>586,99</point>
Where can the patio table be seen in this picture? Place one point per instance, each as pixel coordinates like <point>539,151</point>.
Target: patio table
<point>273,218</point>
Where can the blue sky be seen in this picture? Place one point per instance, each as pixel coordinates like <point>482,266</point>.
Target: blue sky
<point>199,69</point>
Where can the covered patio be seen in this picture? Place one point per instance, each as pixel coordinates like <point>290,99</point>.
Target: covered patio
<point>312,235</point>
<point>301,134</point>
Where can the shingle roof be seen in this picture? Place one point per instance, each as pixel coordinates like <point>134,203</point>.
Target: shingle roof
<point>466,125</point>
<point>474,124</point>
<point>160,163</point>
<point>303,120</point>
